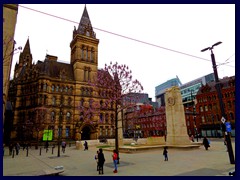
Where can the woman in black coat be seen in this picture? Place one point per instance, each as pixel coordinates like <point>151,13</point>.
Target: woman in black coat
<point>101,161</point>
<point>206,143</point>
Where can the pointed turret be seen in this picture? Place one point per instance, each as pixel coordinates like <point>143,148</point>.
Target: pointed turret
<point>85,25</point>
<point>26,49</point>
<point>26,56</point>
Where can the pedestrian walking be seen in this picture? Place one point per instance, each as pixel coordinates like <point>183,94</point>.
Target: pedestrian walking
<point>101,161</point>
<point>46,145</point>
<point>10,149</point>
<point>96,159</point>
<point>165,153</point>
<point>85,145</point>
<point>64,144</point>
<point>17,148</point>
<point>206,143</point>
<point>115,160</point>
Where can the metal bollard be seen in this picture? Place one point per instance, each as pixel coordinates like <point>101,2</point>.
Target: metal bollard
<point>13,153</point>
<point>52,149</point>
<point>69,144</point>
<point>27,152</point>
<point>40,151</point>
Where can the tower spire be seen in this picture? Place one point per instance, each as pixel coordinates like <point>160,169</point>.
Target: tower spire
<point>26,56</point>
<point>26,49</point>
<point>85,25</point>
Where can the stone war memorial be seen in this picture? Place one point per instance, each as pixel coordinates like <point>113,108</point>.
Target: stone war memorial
<point>176,137</point>
<point>175,117</point>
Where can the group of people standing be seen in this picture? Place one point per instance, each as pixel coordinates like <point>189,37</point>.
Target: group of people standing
<point>100,160</point>
<point>15,146</point>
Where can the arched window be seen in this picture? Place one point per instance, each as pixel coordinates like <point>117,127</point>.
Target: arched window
<point>106,118</point>
<point>82,102</point>
<point>112,119</point>
<point>61,100</point>
<point>60,115</point>
<point>52,116</point>
<point>69,101</point>
<point>82,52</point>
<point>68,116</point>
<point>101,104</point>
<point>53,88</point>
<point>101,118</point>
<point>86,54</point>
<point>54,100</point>
<point>44,87</point>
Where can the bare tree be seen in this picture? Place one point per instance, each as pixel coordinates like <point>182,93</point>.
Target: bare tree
<point>115,84</point>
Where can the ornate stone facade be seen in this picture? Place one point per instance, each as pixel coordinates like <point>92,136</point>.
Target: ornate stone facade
<point>51,95</point>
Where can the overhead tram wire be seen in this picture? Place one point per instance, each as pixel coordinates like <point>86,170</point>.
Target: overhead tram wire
<point>129,38</point>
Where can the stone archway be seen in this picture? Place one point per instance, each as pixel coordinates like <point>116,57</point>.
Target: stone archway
<point>85,133</point>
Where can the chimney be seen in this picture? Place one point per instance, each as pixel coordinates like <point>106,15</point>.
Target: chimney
<point>51,58</point>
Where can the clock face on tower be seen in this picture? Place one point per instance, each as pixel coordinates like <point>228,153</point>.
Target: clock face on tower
<point>171,101</point>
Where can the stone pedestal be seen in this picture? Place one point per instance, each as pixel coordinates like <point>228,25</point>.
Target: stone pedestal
<point>175,117</point>
<point>79,145</point>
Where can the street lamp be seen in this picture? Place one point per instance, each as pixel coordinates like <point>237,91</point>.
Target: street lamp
<point>218,88</point>
<point>60,127</point>
<point>194,117</point>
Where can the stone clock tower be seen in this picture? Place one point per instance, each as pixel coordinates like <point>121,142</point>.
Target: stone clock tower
<point>84,50</point>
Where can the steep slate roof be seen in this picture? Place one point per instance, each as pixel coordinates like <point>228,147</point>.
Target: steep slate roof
<point>53,69</point>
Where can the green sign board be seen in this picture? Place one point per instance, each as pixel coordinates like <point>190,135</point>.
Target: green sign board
<point>47,135</point>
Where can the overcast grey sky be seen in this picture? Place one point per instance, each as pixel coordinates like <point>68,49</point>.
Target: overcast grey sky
<point>181,27</point>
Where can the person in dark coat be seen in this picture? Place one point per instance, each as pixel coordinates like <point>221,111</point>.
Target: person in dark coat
<point>85,145</point>
<point>206,143</point>
<point>165,154</point>
<point>17,148</point>
<point>10,149</point>
<point>101,160</point>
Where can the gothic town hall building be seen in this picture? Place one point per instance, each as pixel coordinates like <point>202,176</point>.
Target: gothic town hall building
<point>49,95</point>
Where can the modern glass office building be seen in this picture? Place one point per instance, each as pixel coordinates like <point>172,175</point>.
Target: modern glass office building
<point>160,89</point>
<point>188,90</point>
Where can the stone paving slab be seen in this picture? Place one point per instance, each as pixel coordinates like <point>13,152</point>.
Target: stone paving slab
<point>195,162</point>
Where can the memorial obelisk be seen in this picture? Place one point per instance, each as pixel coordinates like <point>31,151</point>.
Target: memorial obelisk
<point>175,117</point>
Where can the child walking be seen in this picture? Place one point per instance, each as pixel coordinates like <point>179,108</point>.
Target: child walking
<point>96,158</point>
<point>165,153</point>
<point>115,160</point>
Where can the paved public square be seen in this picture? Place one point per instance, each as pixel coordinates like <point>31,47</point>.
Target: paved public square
<point>182,162</point>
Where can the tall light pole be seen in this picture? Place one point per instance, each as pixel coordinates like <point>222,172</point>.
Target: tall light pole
<point>194,116</point>
<point>218,88</point>
<point>60,127</point>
